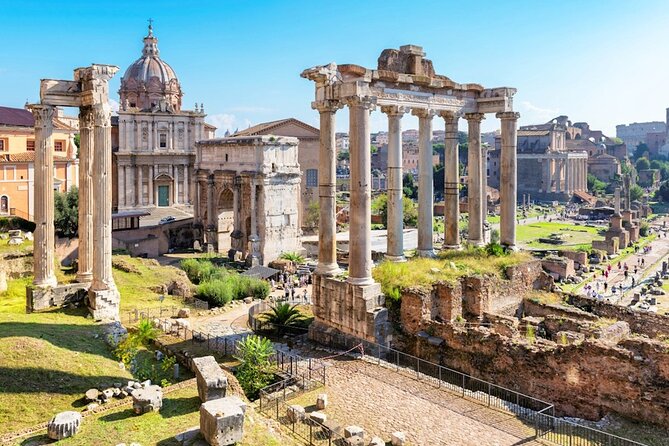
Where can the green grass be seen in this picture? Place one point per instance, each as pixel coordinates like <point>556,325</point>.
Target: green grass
<point>5,247</point>
<point>180,412</point>
<point>574,236</point>
<point>418,272</point>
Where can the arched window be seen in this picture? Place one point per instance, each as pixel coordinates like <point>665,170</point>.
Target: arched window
<point>4,204</point>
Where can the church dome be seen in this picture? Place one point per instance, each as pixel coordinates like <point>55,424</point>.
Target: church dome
<point>150,84</point>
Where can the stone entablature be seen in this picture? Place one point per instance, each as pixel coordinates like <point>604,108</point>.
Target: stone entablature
<point>247,196</point>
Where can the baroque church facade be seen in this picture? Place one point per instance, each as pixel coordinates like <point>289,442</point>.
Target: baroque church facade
<point>155,138</point>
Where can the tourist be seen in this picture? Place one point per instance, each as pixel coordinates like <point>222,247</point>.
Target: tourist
<point>306,298</point>
<point>292,293</point>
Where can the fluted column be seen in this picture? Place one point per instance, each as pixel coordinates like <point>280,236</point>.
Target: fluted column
<point>395,224</point>
<point>360,216</point>
<point>327,181</point>
<point>151,175</point>
<point>44,238</point>
<point>474,177</point>
<point>508,178</point>
<point>211,218</point>
<point>85,230</point>
<point>187,199</point>
<point>451,183</point>
<point>253,258</point>
<point>425,183</point>
<point>140,185</point>
<point>176,184</point>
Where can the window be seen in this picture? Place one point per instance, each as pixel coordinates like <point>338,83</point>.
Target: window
<point>163,140</point>
<point>312,177</point>
<point>4,204</point>
<point>30,145</point>
<point>58,146</point>
<point>3,145</point>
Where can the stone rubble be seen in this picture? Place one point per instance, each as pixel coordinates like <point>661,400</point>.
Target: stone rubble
<point>63,425</point>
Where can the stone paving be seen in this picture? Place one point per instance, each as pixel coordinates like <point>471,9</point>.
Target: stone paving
<point>383,401</point>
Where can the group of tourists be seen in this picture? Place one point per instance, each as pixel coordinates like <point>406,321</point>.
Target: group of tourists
<point>294,286</point>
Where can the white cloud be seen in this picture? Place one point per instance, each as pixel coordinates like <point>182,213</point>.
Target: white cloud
<point>114,105</point>
<point>250,109</point>
<point>538,112</point>
<point>227,122</point>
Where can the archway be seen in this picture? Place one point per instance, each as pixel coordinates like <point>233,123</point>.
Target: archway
<point>4,204</point>
<point>226,219</point>
<point>164,188</point>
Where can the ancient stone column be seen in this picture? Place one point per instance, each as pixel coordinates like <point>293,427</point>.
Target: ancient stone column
<point>395,248</point>
<point>327,193</point>
<point>508,178</point>
<point>475,183</point>
<point>425,183</point>
<point>44,237</point>
<point>211,218</point>
<point>360,215</point>
<point>140,186</point>
<point>86,146</point>
<point>253,257</point>
<point>151,175</point>
<point>176,184</point>
<point>104,298</point>
<point>451,183</point>
<point>616,211</point>
<point>186,180</point>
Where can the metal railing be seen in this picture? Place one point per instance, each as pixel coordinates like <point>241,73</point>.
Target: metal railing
<point>535,412</point>
<point>134,316</point>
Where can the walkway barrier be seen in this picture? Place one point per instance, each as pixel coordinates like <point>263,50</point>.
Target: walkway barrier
<point>537,413</point>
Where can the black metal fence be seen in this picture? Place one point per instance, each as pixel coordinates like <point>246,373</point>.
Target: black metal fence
<point>535,412</point>
<point>274,404</point>
<point>134,316</point>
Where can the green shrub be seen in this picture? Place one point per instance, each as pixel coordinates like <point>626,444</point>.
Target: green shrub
<point>256,370</point>
<point>11,223</point>
<point>216,292</point>
<point>293,257</point>
<point>495,249</point>
<point>643,230</point>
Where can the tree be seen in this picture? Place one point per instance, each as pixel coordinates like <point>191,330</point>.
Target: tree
<point>640,151</point>
<point>410,212</point>
<point>409,186</point>
<point>636,192</point>
<point>312,215</point>
<point>656,164</point>
<point>66,212</point>
<point>283,316</point>
<point>663,192</point>
<point>256,370</point>
<point>343,155</point>
<point>642,164</point>
<point>438,181</point>
<point>380,207</point>
<point>595,185</point>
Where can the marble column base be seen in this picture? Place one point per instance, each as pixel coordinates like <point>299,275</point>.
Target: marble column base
<point>476,242</point>
<point>361,281</point>
<point>513,248</point>
<point>104,304</point>
<point>327,269</point>
<point>84,277</point>
<point>452,248</point>
<point>429,253</point>
<point>48,282</point>
<point>395,258</point>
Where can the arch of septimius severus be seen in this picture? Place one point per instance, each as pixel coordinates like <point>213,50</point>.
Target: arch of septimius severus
<point>404,82</point>
<point>89,91</point>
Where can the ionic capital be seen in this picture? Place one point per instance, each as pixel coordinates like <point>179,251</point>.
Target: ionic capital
<point>478,117</point>
<point>394,110</point>
<point>508,116</point>
<point>366,102</point>
<point>43,114</point>
<point>423,112</point>
<point>326,106</point>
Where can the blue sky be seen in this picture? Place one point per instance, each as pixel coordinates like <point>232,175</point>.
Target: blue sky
<point>605,62</point>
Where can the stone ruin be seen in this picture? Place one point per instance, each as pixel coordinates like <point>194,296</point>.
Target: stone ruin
<point>211,381</point>
<point>63,425</point>
<point>222,421</point>
<point>403,82</point>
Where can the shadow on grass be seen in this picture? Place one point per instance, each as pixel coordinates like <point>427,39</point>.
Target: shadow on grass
<point>174,407</point>
<point>34,380</point>
<point>36,440</point>
<point>117,416</point>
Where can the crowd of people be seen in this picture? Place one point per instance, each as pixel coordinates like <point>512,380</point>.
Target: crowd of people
<point>294,286</point>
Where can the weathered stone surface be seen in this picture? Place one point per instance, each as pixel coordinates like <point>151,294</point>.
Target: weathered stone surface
<point>92,394</point>
<point>188,437</point>
<point>211,381</point>
<point>148,399</point>
<point>398,438</point>
<point>184,313</point>
<point>376,441</point>
<point>222,421</point>
<point>322,401</point>
<point>295,413</point>
<point>63,425</point>
<point>318,417</point>
<point>38,299</point>
<point>354,435</point>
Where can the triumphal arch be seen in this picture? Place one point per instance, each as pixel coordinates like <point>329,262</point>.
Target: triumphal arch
<point>404,82</point>
<point>89,91</point>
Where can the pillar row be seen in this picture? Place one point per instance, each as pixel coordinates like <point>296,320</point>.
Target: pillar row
<point>508,178</point>
<point>44,239</point>
<point>327,182</point>
<point>451,183</point>
<point>85,229</point>
<point>425,183</point>
<point>360,216</point>
<point>475,183</point>
<point>395,224</point>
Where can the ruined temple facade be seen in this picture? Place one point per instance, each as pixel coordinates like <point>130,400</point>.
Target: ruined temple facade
<point>247,196</point>
<point>155,151</point>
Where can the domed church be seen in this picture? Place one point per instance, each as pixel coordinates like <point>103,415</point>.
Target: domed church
<point>155,153</point>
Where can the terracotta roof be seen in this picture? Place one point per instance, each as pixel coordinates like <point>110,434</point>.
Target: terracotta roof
<point>16,117</point>
<point>26,157</point>
<point>265,127</point>
<point>585,197</point>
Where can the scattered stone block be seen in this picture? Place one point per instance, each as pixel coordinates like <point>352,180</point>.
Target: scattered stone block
<point>296,413</point>
<point>322,401</point>
<point>318,417</point>
<point>63,425</point>
<point>211,381</point>
<point>146,383</point>
<point>376,441</point>
<point>92,394</point>
<point>183,313</point>
<point>108,394</point>
<point>354,435</point>
<point>149,399</point>
<point>92,406</point>
<point>188,437</point>
<point>398,439</point>
<point>222,421</point>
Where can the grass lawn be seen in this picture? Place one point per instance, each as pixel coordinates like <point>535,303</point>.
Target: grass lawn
<point>574,236</point>
<point>422,272</point>
<point>180,412</point>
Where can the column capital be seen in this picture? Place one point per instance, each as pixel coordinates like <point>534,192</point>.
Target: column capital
<point>86,117</point>
<point>43,114</point>
<point>394,110</point>
<point>367,102</point>
<point>326,106</point>
<point>449,115</point>
<point>475,116</point>
<point>423,112</point>
<point>511,116</point>
<point>102,115</point>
